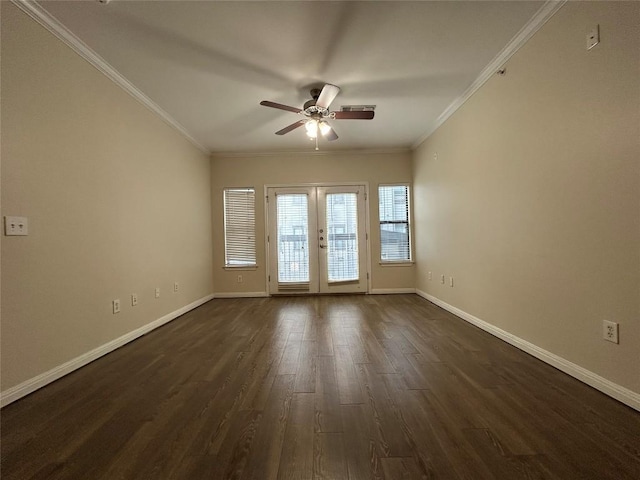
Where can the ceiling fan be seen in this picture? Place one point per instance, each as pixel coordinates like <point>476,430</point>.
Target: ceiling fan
<point>316,112</point>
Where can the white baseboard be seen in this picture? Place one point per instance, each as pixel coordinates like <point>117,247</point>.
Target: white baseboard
<point>240,294</point>
<point>33,384</point>
<point>391,291</point>
<point>622,394</point>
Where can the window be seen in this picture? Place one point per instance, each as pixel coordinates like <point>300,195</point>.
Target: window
<point>342,237</point>
<point>293,238</point>
<point>239,227</point>
<point>395,236</point>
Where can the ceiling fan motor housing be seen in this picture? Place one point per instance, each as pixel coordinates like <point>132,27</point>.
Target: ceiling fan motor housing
<point>310,105</point>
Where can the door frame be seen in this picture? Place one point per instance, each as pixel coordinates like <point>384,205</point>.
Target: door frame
<point>367,228</point>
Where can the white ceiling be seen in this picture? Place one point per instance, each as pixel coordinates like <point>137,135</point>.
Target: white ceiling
<point>209,64</point>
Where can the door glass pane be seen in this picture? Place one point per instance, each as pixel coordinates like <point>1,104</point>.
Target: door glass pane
<point>293,238</point>
<point>342,236</point>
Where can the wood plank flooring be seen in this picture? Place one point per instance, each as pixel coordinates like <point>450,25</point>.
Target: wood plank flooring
<point>344,387</point>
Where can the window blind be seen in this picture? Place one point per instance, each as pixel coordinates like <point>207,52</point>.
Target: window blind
<point>239,227</point>
<point>395,238</point>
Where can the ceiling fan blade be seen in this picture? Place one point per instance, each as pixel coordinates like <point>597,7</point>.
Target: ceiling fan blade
<point>331,135</point>
<point>328,93</point>
<point>368,115</point>
<point>267,103</point>
<point>293,126</point>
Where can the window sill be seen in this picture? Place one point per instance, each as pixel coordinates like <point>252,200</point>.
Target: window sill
<point>407,263</point>
<point>240,267</point>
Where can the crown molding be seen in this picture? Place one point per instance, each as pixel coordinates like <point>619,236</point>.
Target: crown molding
<point>537,21</point>
<point>44,18</point>
<point>308,153</point>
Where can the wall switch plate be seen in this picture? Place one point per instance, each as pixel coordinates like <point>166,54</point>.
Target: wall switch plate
<point>240,279</point>
<point>134,299</point>
<point>593,37</point>
<point>175,287</point>
<point>442,279</point>
<point>430,276</point>
<point>116,305</point>
<point>18,226</point>
<point>451,281</point>
<point>610,331</point>
<point>157,293</point>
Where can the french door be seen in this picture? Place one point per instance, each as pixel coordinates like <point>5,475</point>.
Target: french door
<point>317,240</point>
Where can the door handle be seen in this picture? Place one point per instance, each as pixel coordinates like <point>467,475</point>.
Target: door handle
<point>323,246</point>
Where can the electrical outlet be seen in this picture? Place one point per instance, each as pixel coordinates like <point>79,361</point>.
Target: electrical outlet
<point>16,226</point>
<point>134,299</point>
<point>157,293</point>
<point>430,276</point>
<point>175,287</point>
<point>116,305</point>
<point>240,279</point>
<point>442,279</point>
<point>610,331</point>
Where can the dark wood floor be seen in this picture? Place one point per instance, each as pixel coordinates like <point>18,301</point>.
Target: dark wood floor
<point>347,387</point>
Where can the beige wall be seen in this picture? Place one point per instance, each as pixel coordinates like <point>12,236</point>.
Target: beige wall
<point>260,170</point>
<point>533,202</point>
<point>118,202</point>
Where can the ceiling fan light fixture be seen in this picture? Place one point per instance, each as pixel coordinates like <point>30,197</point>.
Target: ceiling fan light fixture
<point>324,128</point>
<point>312,128</point>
